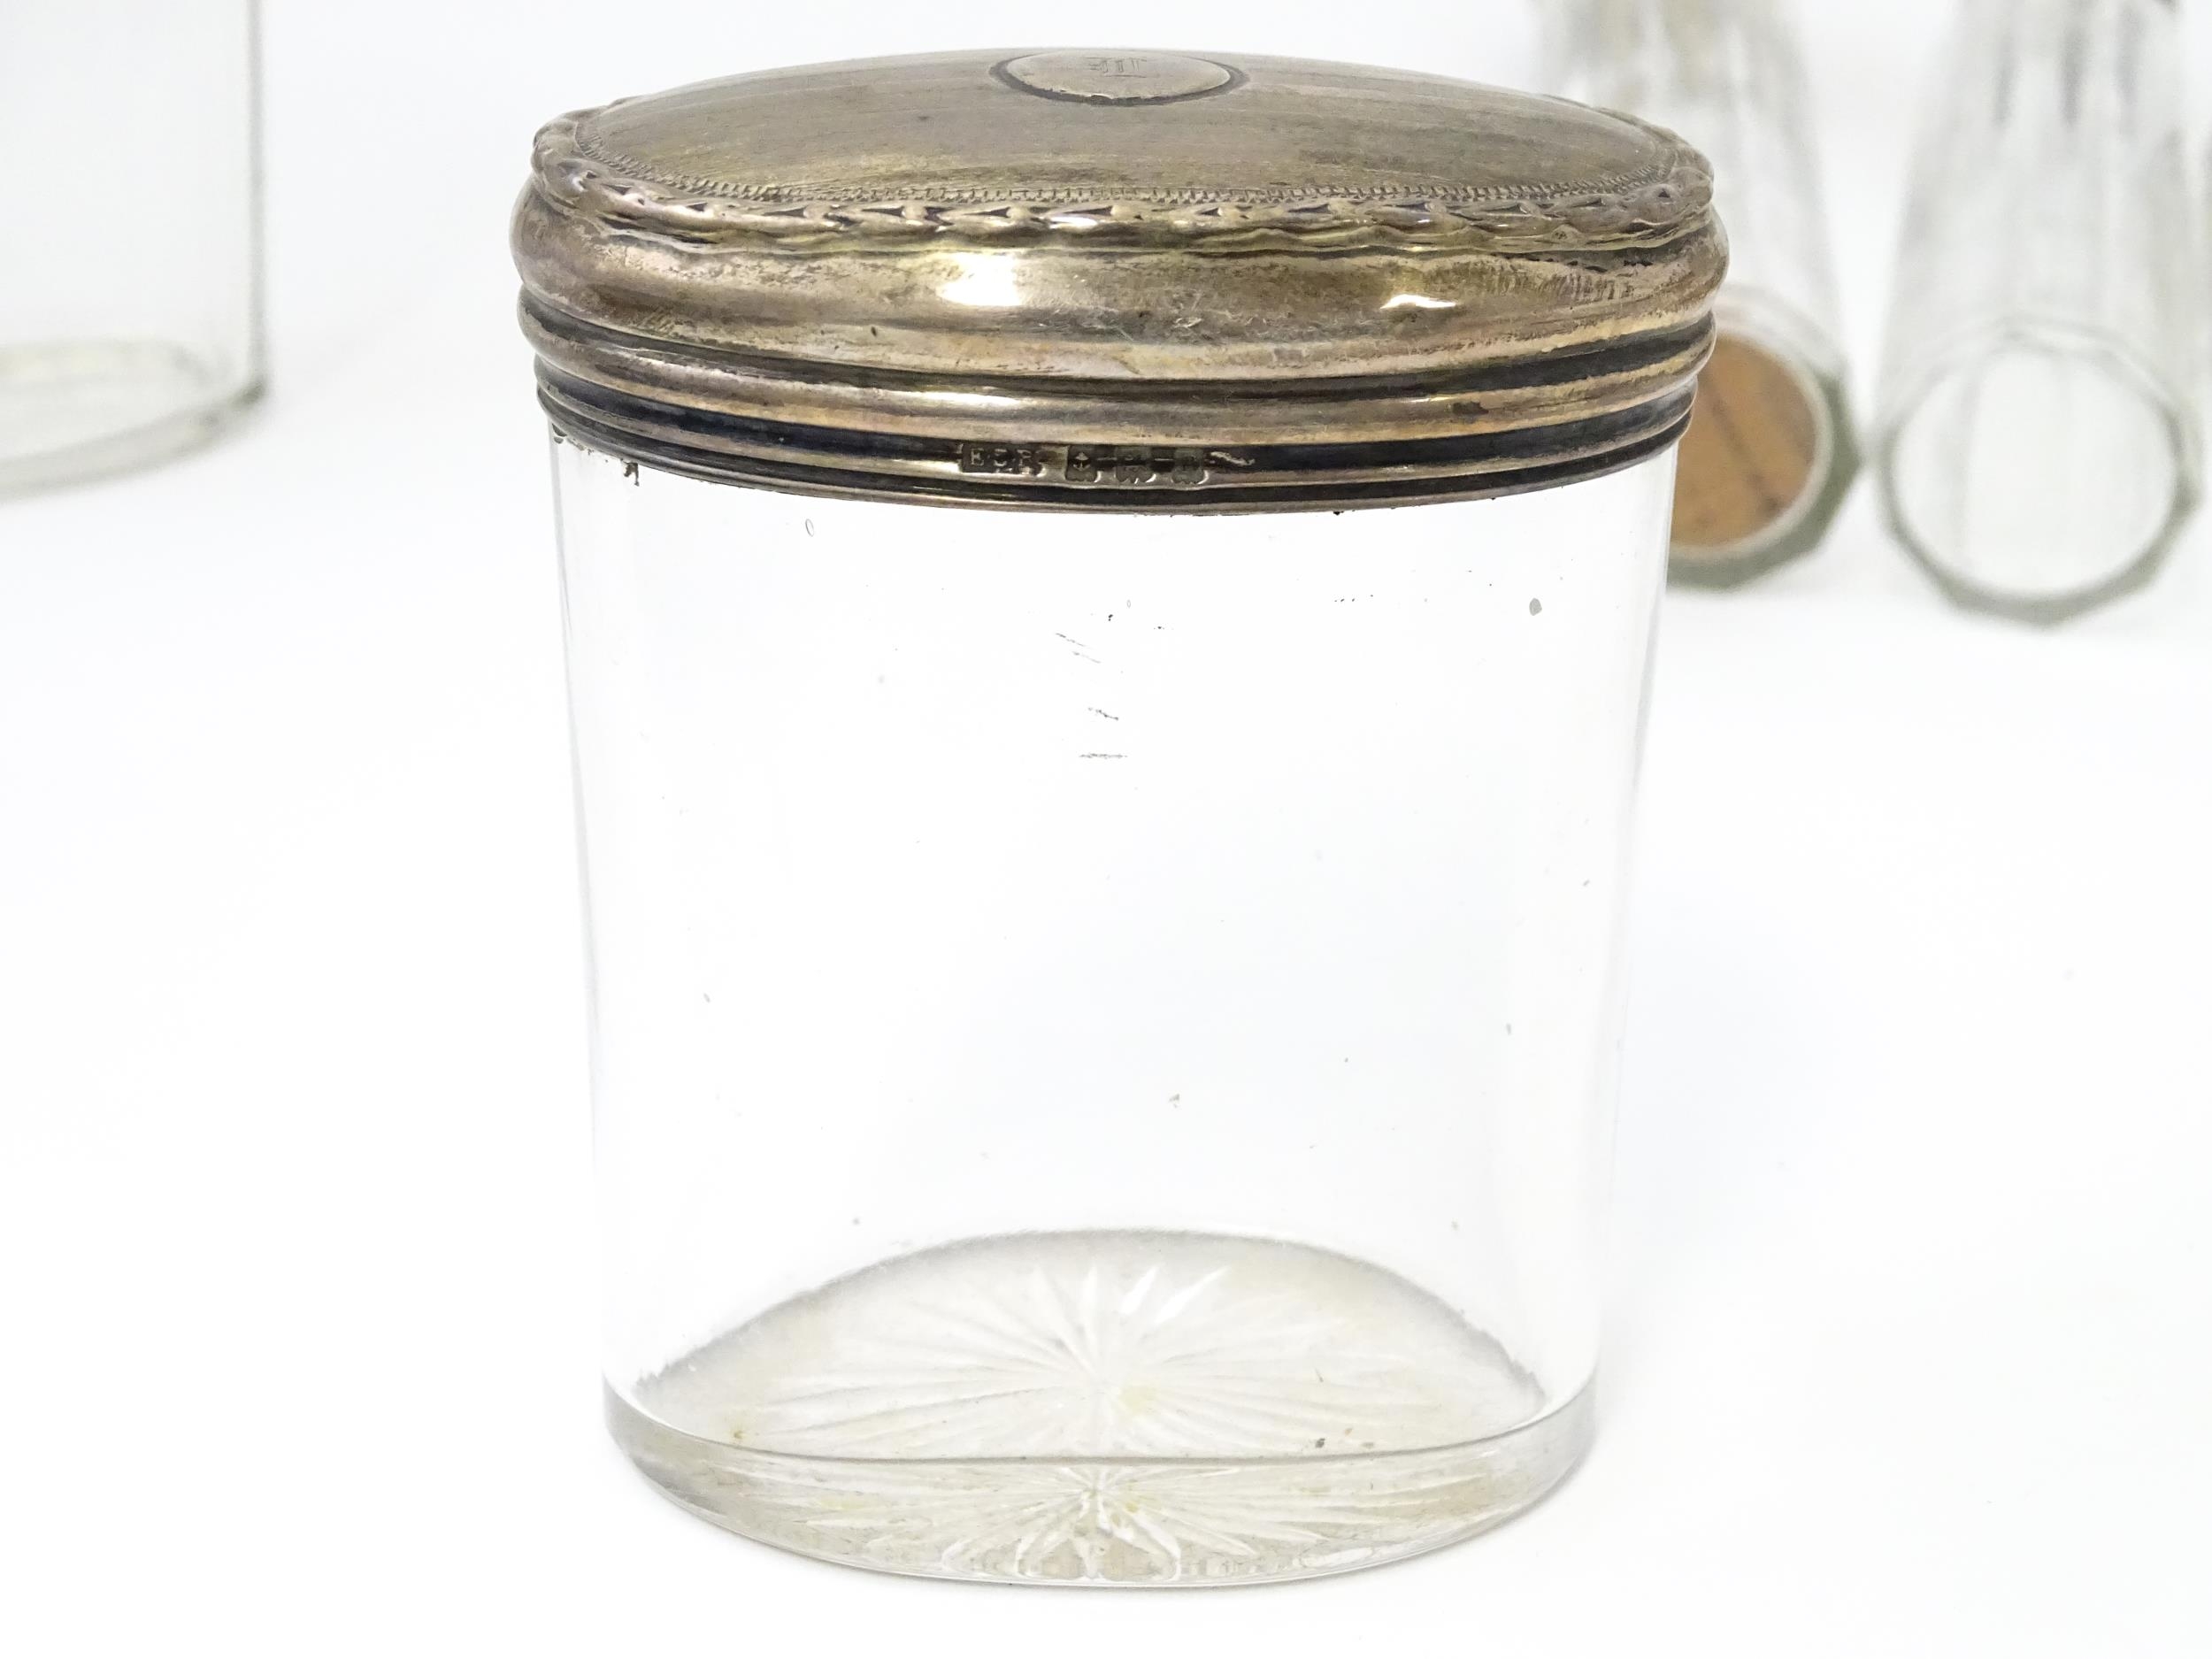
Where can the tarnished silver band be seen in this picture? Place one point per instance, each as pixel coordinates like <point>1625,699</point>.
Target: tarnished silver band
<point>993,469</point>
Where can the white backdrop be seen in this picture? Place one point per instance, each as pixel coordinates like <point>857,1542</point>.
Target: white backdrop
<point>1913,1261</point>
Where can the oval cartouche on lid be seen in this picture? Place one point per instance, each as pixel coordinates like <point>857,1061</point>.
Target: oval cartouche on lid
<point>1118,279</point>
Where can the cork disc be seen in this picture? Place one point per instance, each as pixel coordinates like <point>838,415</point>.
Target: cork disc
<point>1750,458</point>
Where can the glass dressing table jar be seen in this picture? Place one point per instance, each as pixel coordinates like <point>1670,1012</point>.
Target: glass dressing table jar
<point>1110,603</point>
<point>1766,465</point>
<point>116,361</point>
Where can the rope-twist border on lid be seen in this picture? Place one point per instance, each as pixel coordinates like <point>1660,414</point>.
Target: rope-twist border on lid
<point>1606,215</point>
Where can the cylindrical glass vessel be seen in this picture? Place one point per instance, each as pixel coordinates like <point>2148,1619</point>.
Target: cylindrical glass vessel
<point>1771,452</point>
<point>1105,977</point>
<point>2039,432</point>
<point>117,361</point>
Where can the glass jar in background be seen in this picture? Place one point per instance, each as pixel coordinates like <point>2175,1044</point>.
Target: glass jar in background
<point>1772,451</point>
<point>1498,42</point>
<point>112,362</point>
<point>1107,699</point>
<point>2039,429</point>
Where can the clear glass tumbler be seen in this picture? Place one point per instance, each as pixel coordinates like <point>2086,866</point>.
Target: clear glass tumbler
<point>153,343</point>
<point>1105,960</point>
<point>2039,432</point>
<point>1771,452</point>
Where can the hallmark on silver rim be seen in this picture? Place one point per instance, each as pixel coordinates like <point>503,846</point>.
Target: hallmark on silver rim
<point>1017,460</point>
<point>1136,463</point>
<point>1107,465</point>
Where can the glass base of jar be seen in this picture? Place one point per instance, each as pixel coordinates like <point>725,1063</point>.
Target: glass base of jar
<point>78,410</point>
<point>1105,1408</point>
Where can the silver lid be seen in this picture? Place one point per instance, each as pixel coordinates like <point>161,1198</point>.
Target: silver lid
<point>1129,281</point>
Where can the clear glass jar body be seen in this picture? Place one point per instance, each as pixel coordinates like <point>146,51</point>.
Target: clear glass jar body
<point>1104,1026</point>
<point>114,352</point>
